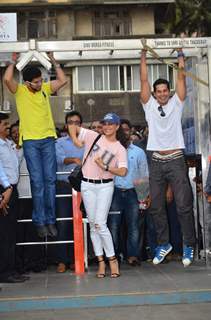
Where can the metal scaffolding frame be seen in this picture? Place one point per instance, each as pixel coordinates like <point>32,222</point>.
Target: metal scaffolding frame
<point>73,53</point>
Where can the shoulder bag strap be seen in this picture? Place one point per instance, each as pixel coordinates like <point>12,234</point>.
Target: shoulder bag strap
<point>96,139</point>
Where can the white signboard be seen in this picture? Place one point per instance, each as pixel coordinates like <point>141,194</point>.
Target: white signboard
<point>8,27</point>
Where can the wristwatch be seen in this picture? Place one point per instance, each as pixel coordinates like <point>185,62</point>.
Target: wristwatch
<point>106,167</point>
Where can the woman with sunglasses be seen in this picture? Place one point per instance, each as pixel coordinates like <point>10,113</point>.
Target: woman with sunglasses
<point>107,159</point>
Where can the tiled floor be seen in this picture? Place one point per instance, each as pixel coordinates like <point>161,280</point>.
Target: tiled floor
<point>145,285</point>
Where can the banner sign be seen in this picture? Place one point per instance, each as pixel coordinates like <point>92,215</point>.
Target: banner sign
<point>179,42</point>
<point>8,27</point>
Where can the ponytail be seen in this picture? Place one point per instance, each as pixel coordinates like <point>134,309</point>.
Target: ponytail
<point>121,137</point>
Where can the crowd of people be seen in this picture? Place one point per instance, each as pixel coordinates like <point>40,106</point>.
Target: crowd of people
<point>135,188</point>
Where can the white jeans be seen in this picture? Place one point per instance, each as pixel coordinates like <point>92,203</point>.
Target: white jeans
<point>97,201</point>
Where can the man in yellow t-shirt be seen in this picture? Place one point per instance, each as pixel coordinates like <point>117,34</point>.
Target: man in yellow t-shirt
<point>37,135</point>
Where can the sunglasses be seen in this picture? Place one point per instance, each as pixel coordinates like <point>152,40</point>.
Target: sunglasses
<point>76,122</point>
<point>162,113</point>
<point>96,127</point>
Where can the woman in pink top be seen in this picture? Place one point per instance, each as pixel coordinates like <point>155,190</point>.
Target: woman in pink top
<point>107,159</point>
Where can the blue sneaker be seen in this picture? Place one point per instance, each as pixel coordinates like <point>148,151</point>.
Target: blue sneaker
<point>161,253</point>
<point>187,258</point>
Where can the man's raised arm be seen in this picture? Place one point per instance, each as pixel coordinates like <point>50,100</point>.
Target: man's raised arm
<point>9,80</point>
<point>61,79</point>
<point>145,86</point>
<point>181,84</point>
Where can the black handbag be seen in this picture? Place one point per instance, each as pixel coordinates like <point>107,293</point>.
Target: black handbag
<point>75,178</point>
<point>76,174</point>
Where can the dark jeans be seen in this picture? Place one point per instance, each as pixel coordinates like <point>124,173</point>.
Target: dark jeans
<point>150,233</point>
<point>8,228</point>
<point>125,205</point>
<point>40,157</point>
<point>65,228</point>
<point>173,172</point>
<point>175,233</point>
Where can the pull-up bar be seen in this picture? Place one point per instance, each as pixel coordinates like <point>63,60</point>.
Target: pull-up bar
<point>35,49</point>
<point>102,45</point>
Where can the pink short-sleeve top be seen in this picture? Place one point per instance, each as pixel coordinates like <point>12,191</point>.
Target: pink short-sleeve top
<point>112,153</point>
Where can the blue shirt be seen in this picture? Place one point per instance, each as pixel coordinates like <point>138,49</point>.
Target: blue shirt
<point>4,182</point>
<point>137,168</point>
<point>65,148</point>
<point>9,160</point>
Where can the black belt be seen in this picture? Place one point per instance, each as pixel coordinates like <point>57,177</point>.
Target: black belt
<point>124,190</point>
<point>97,181</point>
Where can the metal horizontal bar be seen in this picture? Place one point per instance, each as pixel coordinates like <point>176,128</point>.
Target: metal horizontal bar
<point>57,196</point>
<point>123,44</point>
<point>114,212</point>
<point>43,242</point>
<point>59,173</point>
<point>85,220</point>
<point>102,45</point>
<point>14,47</point>
<point>57,219</point>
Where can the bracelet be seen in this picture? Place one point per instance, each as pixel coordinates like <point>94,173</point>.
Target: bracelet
<point>180,54</point>
<point>13,62</point>
<point>57,65</point>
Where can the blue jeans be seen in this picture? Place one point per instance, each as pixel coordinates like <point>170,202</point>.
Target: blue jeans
<point>40,157</point>
<point>125,205</point>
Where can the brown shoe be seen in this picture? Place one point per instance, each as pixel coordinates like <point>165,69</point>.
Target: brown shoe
<point>61,268</point>
<point>133,261</point>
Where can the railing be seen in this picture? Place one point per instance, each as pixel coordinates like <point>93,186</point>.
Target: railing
<point>79,230</point>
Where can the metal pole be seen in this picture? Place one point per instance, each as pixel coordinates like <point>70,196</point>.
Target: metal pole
<point>78,233</point>
<point>207,207</point>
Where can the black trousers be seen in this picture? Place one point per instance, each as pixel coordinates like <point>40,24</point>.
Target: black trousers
<point>173,172</point>
<point>8,228</point>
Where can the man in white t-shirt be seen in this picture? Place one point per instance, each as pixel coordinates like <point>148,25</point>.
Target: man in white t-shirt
<point>163,114</point>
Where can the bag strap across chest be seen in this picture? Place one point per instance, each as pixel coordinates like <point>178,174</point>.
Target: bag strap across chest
<point>92,146</point>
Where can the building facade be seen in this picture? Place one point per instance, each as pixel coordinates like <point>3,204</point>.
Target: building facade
<point>98,81</point>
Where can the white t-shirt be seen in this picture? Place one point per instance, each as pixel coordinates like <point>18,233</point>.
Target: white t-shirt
<point>165,133</point>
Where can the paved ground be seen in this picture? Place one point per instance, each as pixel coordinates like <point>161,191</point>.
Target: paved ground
<point>167,291</point>
<point>144,279</point>
<point>170,312</point>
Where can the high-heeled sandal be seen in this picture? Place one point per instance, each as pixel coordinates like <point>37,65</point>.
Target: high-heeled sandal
<point>101,275</point>
<point>114,261</point>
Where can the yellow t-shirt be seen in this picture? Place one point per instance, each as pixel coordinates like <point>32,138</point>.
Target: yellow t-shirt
<point>36,121</point>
